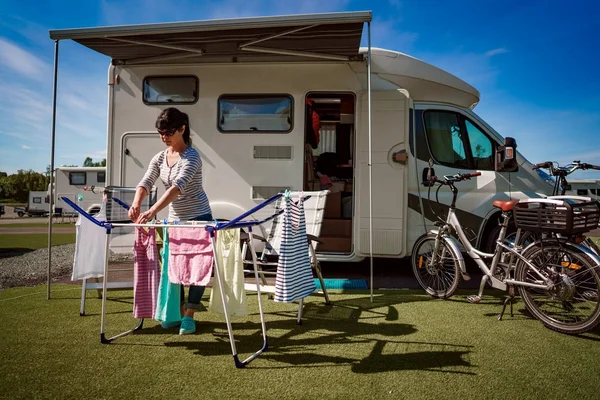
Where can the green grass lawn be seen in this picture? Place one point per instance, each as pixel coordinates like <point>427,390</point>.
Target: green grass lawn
<point>405,345</point>
<point>34,241</point>
<point>36,225</point>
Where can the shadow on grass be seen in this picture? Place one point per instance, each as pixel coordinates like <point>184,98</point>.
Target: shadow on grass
<point>14,252</point>
<point>342,323</point>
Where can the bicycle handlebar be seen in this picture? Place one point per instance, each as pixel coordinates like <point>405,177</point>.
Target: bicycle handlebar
<point>449,179</point>
<point>567,169</point>
<point>546,164</point>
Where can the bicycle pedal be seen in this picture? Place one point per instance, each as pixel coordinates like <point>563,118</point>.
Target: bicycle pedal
<point>474,299</point>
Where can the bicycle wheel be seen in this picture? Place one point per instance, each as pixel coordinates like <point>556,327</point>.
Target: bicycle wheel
<point>571,304</point>
<point>441,279</point>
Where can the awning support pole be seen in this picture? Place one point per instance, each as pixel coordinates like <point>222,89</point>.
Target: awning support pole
<point>370,157</point>
<point>51,186</point>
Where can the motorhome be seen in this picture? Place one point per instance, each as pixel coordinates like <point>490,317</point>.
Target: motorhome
<point>276,103</point>
<point>37,205</point>
<point>584,187</point>
<point>82,185</point>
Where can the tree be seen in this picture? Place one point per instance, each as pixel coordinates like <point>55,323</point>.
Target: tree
<point>88,162</point>
<point>17,186</point>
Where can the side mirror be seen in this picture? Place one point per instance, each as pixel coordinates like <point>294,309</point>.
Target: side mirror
<point>506,156</point>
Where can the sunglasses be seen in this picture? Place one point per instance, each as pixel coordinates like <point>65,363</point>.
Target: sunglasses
<point>167,132</point>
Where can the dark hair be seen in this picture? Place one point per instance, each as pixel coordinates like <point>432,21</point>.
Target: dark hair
<point>172,118</point>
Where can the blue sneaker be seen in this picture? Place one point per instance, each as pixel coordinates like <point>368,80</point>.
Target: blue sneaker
<point>170,324</point>
<point>188,326</point>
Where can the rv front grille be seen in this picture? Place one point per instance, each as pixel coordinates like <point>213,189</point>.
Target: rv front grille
<point>273,152</point>
<point>266,192</point>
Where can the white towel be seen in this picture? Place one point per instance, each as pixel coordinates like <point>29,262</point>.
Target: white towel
<point>232,273</point>
<point>90,254</point>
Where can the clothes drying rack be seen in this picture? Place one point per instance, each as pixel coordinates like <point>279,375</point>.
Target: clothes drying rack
<point>212,227</point>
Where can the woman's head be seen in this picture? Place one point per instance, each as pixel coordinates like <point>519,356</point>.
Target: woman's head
<point>174,122</point>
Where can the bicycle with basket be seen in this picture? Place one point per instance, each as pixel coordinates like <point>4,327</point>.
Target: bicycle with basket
<point>557,279</point>
<point>560,186</point>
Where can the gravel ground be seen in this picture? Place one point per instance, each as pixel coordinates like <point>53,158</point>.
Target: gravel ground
<point>32,268</point>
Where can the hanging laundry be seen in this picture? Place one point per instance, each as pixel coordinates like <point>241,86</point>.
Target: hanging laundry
<point>90,255</point>
<point>294,274</point>
<point>231,269</point>
<point>168,303</point>
<point>190,256</point>
<point>145,273</point>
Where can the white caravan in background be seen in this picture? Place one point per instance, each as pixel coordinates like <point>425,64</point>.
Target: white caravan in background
<point>82,185</point>
<point>248,86</point>
<point>584,187</point>
<point>37,205</point>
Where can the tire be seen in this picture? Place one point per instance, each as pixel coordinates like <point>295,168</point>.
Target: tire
<point>573,305</point>
<point>442,279</point>
<point>490,241</point>
<point>20,214</point>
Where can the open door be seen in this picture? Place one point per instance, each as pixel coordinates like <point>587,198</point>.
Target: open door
<point>390,118</point>
<point>329,155</point>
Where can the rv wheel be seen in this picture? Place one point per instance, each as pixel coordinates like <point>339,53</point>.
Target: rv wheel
<point>490,240</point>
<point>20,213</point>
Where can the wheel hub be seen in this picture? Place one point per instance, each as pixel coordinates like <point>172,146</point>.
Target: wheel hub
<point>564,289</point>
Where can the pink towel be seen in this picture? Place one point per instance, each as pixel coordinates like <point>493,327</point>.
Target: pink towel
<point>145,273</point>
<point>190,256</point>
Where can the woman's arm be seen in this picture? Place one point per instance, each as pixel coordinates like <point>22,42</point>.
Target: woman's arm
<point>145,186</point>
<point>166,199</point>
<point>134,209</point>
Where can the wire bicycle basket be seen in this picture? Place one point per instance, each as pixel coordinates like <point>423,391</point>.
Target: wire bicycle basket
<point>563,216</point>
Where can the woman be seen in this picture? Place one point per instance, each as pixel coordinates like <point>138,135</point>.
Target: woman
<point>180,169</point>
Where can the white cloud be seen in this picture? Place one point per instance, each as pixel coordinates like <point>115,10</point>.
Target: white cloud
<point>26,147</point>
<point>23,62</point>
<point>495,52</point>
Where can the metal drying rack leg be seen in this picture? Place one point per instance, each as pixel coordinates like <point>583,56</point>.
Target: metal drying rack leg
<point>236,360</point>
<point>140,324</point>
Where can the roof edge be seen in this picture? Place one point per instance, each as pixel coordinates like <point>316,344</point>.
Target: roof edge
<point>211,25</point>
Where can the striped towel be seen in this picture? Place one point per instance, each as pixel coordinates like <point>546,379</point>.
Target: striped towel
<point>145,273</point>
<point>294,274</point>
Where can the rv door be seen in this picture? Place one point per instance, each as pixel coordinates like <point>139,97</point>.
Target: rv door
<point>389,172</point>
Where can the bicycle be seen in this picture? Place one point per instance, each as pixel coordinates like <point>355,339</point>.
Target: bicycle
<point>559,192</point>
<point>558,281</point>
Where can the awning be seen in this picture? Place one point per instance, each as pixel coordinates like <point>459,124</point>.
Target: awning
<point>331,36</point>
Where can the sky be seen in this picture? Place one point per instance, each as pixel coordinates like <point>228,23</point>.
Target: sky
<point>534,62</point>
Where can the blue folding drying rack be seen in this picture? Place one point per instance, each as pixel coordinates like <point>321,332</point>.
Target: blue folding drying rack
<point>212,228</point>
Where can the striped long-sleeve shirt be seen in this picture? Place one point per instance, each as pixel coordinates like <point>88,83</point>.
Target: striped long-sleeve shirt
<point>186,175</point>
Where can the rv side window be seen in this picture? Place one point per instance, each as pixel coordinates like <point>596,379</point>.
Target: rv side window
<point>101,177</point>
<point>457,142</point>
<point>37,200</point>
<point>170,89</point>
<point>77,178</point>
<point>446,141</point>
<point>481,147</point>
<point>582,192</point>
<point>255,114</point>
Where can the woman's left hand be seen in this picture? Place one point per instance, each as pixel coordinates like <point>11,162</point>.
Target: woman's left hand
<point>145,217</point>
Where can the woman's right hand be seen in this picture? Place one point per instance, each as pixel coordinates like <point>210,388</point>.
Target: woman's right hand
<point>134,212</point>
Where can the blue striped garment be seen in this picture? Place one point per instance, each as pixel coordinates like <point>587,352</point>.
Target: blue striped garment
<point>186,175</point>
<point>294,279</point>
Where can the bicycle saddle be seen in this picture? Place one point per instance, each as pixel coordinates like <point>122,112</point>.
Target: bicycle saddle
<point>505,205</point>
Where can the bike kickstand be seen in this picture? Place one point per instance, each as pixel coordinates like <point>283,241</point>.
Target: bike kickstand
<point>509,299</point>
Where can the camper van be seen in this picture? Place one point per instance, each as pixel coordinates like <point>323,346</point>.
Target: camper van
<point>277,103</point>
<point>82,185</point>
<point>584,187</point>
<point>38,205</point>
